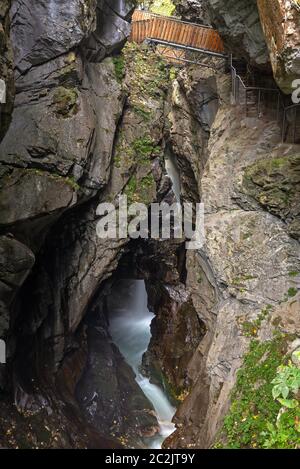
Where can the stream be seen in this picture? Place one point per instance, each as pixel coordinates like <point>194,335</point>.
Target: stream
<point>173,173</point>
<point>130,322</point>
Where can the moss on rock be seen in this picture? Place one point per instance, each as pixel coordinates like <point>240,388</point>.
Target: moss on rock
<point>65,102</point>
<point>139,140</point>
<point>119,65</point>
<point>275,184</point>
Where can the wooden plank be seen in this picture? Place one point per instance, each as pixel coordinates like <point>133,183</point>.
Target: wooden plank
<point>185,34</point>
<point>167,29</point>
<point>198,41</point>
<point>164,30</point>
<point>213,42</point>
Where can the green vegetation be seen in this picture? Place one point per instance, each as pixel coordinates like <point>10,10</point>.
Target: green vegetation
<point>265,409</point>
<point>273,183</point>
<point>251,328</point>
<point>292,292</point>
<point>147,72</point>
<point>285,433</point>
<point>143,113</point>
<point>65,102</point>
<point>143,148</point>
<point>138,152</point>
<point>138,142</point>
<point>173,73</point>
<point>130,189</point>
<point>240,280</point>
<point>119,64</point>
<point>70,181</point>
<point>200,279</point>
<point>294,273</point>
<point>277,163</point>
<point>140,191</point>
<point>161,7</point>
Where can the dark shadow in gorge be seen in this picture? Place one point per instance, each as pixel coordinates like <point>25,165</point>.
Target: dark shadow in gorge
<point>105,396</point>
<point>52,353</point>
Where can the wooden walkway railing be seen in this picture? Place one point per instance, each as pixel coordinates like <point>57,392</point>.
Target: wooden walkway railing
<point>176,39</point>
<point>266,102</point>
<point>174,32</point>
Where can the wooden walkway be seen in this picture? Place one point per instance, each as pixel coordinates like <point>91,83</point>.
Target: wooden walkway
<point>172,32</point>
<point>180,41</point>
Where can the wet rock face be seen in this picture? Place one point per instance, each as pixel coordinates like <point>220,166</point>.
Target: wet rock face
<point>60,133</point>
<point>112,28</point>
<point>239,25</point>
<point>176,332</point>
<point>72,259</point>
<point>49,29</point>
<point>6,67</point>
<point>64,123</point>
<point>52,194</point>
<point>44,30</point>
<point>16,262</point>
<point>58,106</point>
<point>280,21</point>
<point>108,393</point>
<point>56,153</point>
<point>194,103</point>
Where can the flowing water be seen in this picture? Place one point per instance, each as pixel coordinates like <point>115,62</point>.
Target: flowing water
<point>130,321</point>
<point>173,173</point>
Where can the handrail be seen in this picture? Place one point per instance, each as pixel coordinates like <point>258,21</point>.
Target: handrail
<point>238,83</point>
<point>173,18</point>
<point>176,45</point>
<point>170,36</point>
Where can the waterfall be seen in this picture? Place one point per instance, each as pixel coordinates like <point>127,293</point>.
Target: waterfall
<point>129,324</point>
<point>173,173</point>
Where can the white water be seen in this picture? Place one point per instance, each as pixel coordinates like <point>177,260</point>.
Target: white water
<point>173,173</point>
<point>130,321</point>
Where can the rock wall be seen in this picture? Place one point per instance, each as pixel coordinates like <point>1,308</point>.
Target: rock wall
<point>66,112</point>
<point>262,32</point>
<point>107,392</point>
<point>281,25</point>
<point>250,259</point>
<point>239,25</point>
<point>86,127</point>
<point>192,10</point>
<point>65,127</point>
<point>6,67</point>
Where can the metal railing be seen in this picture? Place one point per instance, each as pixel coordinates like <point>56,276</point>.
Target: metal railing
<point>263,101</point>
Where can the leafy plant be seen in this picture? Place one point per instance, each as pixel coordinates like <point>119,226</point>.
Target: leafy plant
<point>265,407</point>
<point>286,381</point>
<point>285,433</point>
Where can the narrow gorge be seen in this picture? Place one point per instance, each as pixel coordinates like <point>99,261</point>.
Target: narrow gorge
<point>140,342</point>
